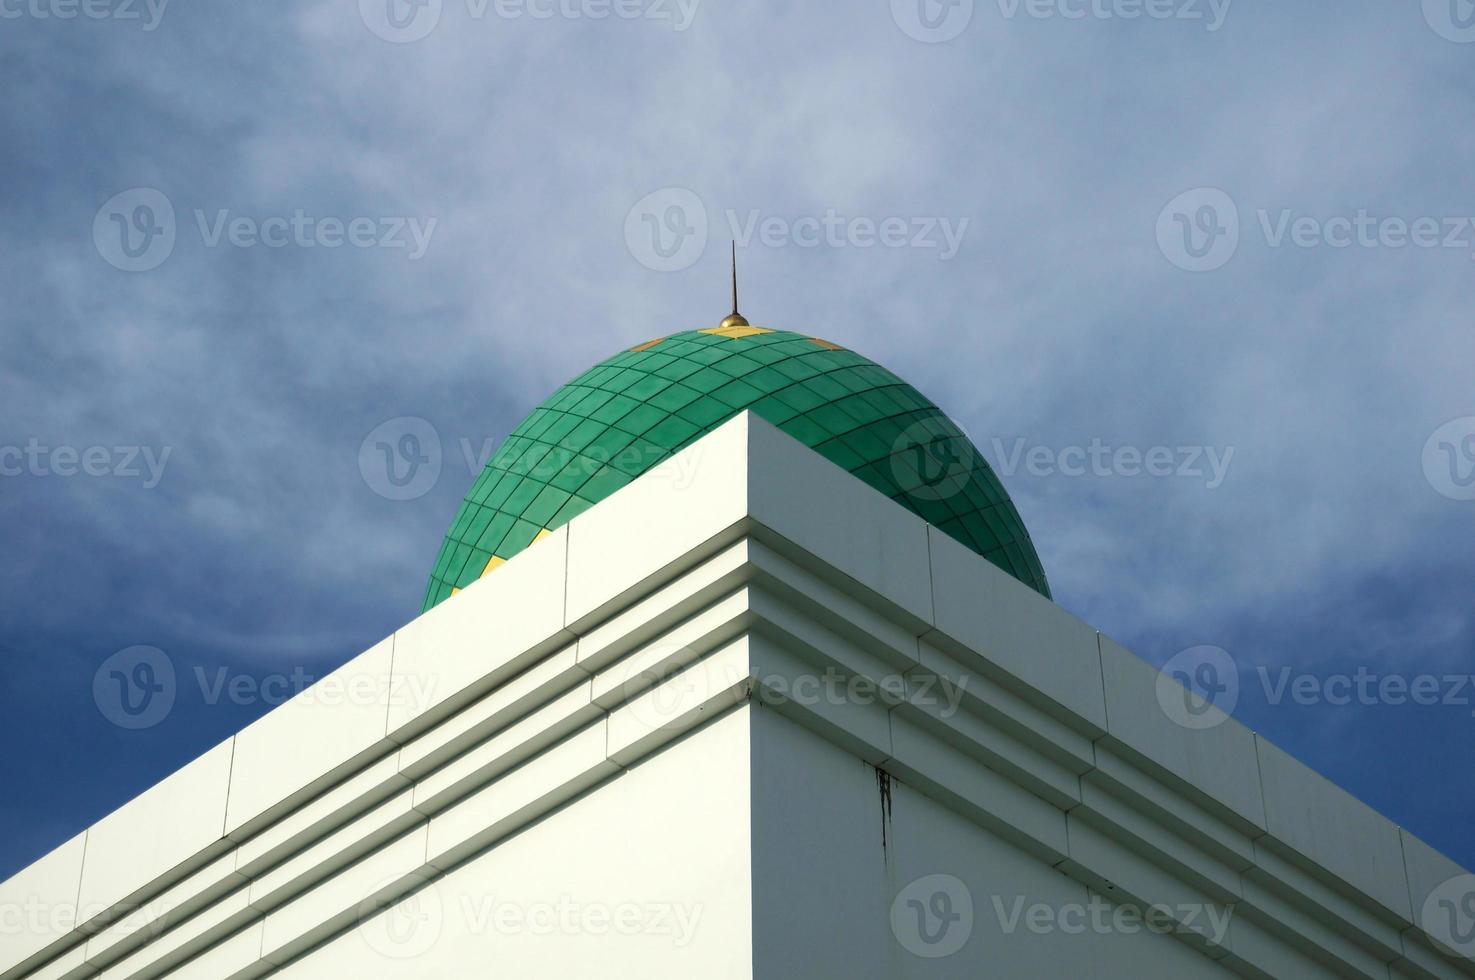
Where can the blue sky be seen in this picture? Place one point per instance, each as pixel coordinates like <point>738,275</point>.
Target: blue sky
<point>1235,232</point>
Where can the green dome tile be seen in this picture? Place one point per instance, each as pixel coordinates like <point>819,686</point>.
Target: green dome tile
<point>625,415</point>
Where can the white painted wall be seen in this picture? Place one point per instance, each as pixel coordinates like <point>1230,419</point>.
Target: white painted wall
<point>824,885</point>
<point>664,843</point>
<point>750,848</point>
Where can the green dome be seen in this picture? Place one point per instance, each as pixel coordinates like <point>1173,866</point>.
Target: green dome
<point>624,415</point>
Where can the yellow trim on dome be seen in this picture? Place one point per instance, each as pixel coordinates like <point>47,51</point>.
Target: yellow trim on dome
<point>493,562</point>
<point>825,344</point>
<point>733,333</point>
<point>646,346</point>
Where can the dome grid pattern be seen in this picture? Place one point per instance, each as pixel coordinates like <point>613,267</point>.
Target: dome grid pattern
<point>626,415</point>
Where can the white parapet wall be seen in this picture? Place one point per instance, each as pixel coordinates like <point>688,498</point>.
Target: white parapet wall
<point>744,718</point>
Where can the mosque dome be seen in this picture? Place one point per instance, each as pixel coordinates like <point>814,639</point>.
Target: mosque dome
<point>626,414</point>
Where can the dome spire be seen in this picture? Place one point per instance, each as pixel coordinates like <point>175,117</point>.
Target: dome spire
<point>734,319</point>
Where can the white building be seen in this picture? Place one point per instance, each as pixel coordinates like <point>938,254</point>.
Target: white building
<point>762,723</point>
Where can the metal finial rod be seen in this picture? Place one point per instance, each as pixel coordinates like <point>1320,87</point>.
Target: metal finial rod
<point>734,319</point>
